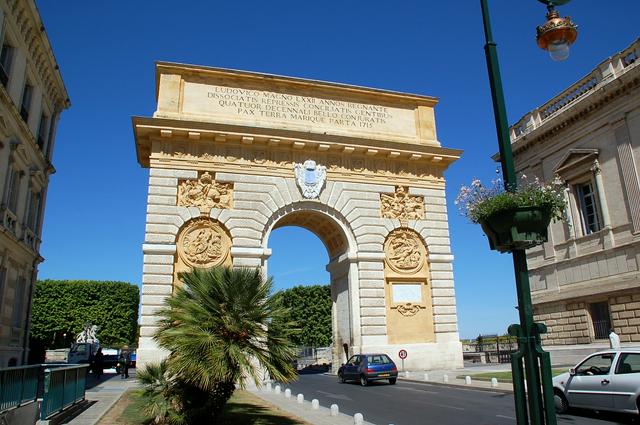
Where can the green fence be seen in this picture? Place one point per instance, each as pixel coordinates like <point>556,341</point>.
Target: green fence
<point>18,386</point>
<point>62,387</point>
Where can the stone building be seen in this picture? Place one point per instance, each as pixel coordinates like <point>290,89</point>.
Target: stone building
<point>233,155</point>
<point>32,96</point>
<point>585,279</point>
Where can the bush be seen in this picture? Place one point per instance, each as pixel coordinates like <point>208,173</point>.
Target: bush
<point>63,306</point>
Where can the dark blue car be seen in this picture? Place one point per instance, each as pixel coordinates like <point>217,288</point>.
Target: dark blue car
<point>368,367</point>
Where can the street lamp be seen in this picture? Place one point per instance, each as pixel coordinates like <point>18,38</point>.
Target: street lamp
<point>536,405</point>
<point>557,34</point>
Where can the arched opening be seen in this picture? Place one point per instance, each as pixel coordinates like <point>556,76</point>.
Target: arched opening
<point>309,247</point>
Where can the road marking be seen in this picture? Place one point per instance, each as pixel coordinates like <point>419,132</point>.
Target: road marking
<point>333,395</point>
<point>505,417</point>
<point>447,406</point>
<point>418,391</point>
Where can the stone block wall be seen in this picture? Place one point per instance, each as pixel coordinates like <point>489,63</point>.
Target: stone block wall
<point>569,323</point>
<point>625,316</point>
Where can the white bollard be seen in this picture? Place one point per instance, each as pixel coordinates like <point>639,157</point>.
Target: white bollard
<point>467,380</point>
<point>287,393</point>
<point>278,389</point>
<point>494,382</point>
<point>315,404</point>
<point>445,378</point>
<point>426,378</point>
<point>334,410</point>
<point>300,398</point>
<point>269,386</point>
<point>407,374</point>
<point>358,419</point>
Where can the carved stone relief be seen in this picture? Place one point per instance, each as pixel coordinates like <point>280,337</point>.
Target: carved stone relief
<point>203,243</point>
<point>408,309</point>
<point>403,251</point>
<point>401,205</point>
<point>205,193</point>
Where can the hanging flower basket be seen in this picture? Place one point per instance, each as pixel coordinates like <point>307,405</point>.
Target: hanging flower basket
<point>521,228</point>
<point>516,219</point>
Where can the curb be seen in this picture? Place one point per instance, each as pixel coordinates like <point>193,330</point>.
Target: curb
<point>464,386</point>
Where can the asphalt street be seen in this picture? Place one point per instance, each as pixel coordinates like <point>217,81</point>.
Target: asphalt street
<point>408,403</point>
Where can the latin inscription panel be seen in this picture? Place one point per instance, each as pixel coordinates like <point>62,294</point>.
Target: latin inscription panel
<point>288,111</point>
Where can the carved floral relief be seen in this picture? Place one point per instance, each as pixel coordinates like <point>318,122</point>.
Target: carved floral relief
<point>403,251</point>
<point>205,193</point>
<point>203,243</point>
<point>401,205</point>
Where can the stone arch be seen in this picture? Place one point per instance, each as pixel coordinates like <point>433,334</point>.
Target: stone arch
<point>335,233</point>
<point>328,224</point>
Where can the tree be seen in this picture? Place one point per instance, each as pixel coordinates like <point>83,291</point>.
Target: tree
<point>311,307</point>
<point>63,306</point>
<point>221,327</point>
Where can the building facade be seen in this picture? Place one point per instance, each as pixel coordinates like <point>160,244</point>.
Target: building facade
<point>585,280</point>
<point>32,96</point>
<point>233,155</point>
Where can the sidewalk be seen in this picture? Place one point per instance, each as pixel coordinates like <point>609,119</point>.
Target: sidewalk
<point>321,416</point>
<point>102,396</point>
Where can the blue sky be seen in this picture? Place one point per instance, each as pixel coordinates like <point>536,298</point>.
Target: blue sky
<point>95,213</point>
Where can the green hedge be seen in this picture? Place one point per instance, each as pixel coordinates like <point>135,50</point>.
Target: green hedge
<point>310,307</point>
<point>63,306</point>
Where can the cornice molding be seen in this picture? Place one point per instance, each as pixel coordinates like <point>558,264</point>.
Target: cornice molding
<point>26,18</point>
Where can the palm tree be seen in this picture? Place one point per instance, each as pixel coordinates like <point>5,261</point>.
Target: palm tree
<point>160,394</point>
<point>223,327</point>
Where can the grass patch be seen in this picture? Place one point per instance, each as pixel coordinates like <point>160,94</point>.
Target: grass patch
<point>503,376</point>
<point>242,409</point>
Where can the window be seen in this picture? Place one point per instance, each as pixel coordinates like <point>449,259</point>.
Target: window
<point>52,129</point>
<point>32,213</point>
<point>25,106</point>
<point>3,279</point>
<point>588,208</point>
<point>18,303</point>
<point>596,365</point>
<point>600,319</point>
<point>42,131</point>
<point>13,190</point>
<point>628,363</point>
<point>6,58</point>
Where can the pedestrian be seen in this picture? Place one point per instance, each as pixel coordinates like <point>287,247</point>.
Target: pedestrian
<point>98,363</point>
<point>614,340</point>
<point>124,361</point>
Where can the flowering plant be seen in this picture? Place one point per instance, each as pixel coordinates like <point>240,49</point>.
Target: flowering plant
<point>478,202</point>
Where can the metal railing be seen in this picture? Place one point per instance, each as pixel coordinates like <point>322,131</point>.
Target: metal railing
<point>601,329</point>
<point>18,386</point>
<point>63,387</point>
<point>605,72</point>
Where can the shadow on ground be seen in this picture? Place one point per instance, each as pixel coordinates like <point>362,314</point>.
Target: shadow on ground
<point>575,415</point>
<point>313,369</point>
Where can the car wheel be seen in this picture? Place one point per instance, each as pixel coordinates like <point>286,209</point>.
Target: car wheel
<point>364,381</point>
<point>341,378</point>
<point>560,402</point>
<point>392,381</point>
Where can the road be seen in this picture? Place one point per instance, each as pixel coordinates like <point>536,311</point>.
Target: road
<point>408,403</point>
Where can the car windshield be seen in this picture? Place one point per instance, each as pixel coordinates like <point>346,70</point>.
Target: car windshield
<point>596,365</point>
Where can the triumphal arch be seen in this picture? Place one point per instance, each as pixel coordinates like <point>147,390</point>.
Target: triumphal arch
<point>233,155</point>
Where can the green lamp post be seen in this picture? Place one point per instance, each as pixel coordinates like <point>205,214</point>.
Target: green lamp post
<point>536,405</point>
